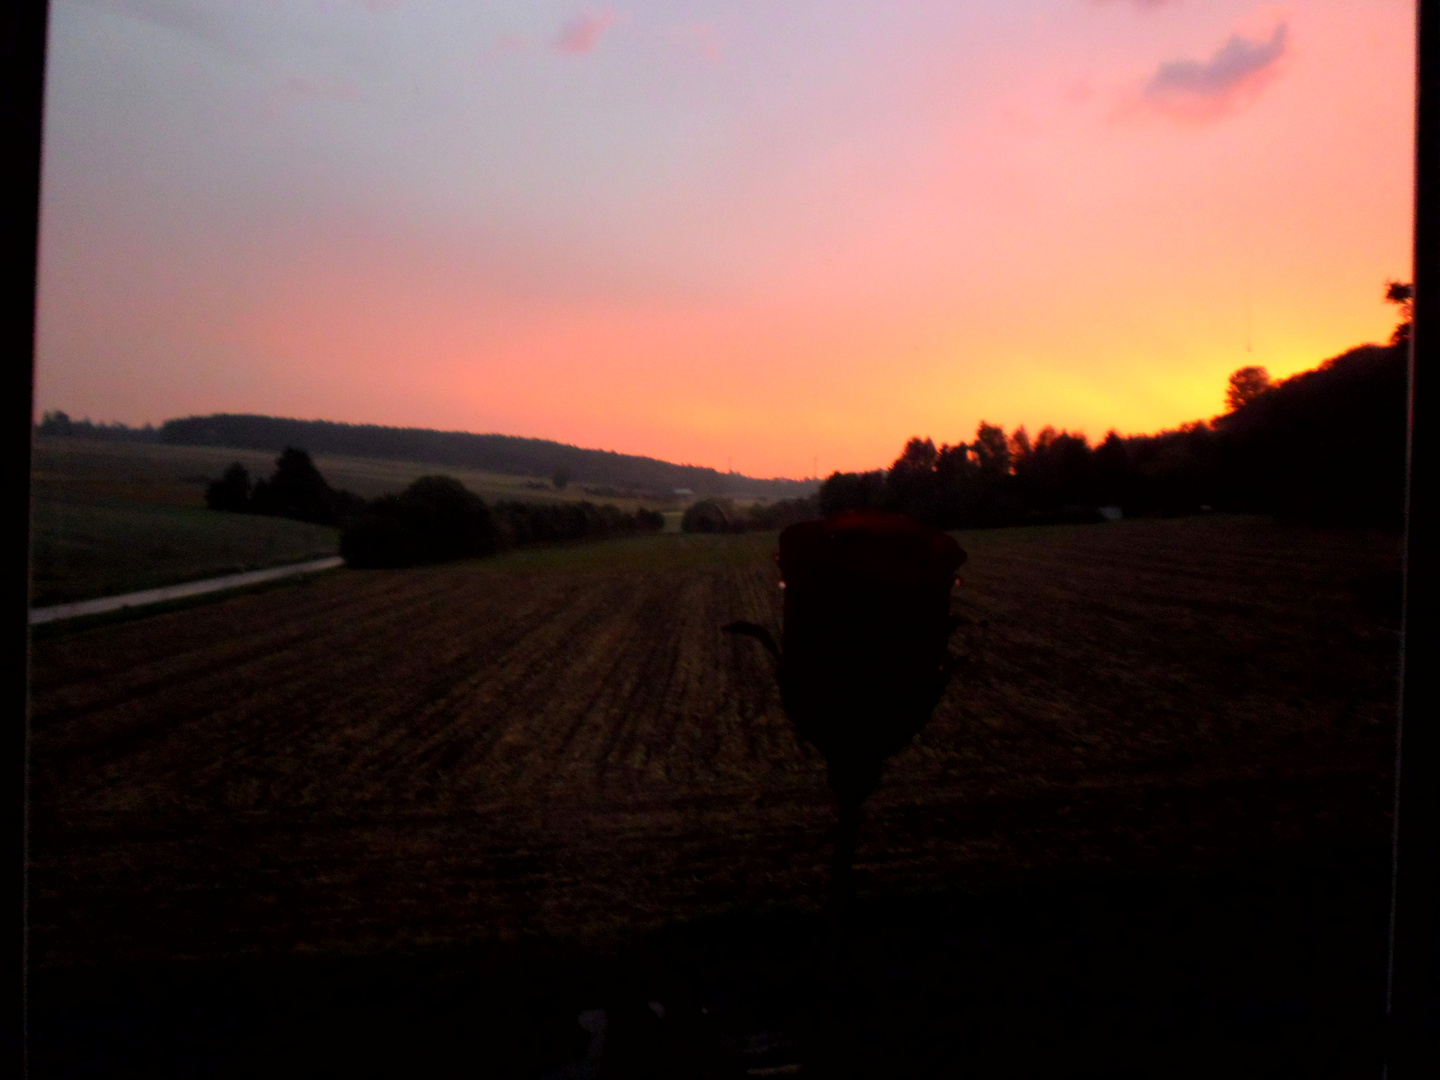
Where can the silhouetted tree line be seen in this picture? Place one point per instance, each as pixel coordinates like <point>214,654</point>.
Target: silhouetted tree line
<point>294,490</point>
<point>494,453</point>
<point>433,520</point>
<point>437,518</point>
<point>59,423</point>
<point>1323,445</point>
<point>519,523</point>
<point>722,516</point>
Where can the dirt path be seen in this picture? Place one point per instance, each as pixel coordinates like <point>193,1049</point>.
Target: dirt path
<point>145,597</point>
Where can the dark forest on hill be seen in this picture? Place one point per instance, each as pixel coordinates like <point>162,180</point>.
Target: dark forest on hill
<point>507,454</point>
<point>1326,445</point>
<point>60,424</point>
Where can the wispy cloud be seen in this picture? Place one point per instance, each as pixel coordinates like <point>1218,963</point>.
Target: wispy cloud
<point>1198,91</point>
<point>704,37</point>
<point>216,28</point>
<point>303,86</point>
<point>582,33</point>
<point>283,95</point>
<point>376,7</point>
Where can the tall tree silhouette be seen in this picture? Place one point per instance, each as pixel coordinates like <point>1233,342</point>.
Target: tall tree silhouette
<point>1246,385</point>
<point>992,451</point>
<point>1112,468</point>
<point>297,490</point>
<point>1402,295</point>
<point>910,485</point>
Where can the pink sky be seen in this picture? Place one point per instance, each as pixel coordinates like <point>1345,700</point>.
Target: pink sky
<point>769,234</point>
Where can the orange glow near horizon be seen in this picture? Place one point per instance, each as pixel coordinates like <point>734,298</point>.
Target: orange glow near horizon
<point>1089,230</point>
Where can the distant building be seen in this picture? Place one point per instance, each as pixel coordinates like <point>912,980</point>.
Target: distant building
<point>1111,513</point>
<point>684,493</point>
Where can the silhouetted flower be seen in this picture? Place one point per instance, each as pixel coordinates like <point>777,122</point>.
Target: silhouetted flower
<point>864,657</point>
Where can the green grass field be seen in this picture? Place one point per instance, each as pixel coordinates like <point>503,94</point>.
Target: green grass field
<point>84,549</point>
<point>110,518</point>
<point>178,475</point>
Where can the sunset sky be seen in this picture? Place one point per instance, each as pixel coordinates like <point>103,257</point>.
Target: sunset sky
<point>775,235</point>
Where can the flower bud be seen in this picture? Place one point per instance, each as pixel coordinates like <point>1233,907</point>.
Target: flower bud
<point>865,643</point>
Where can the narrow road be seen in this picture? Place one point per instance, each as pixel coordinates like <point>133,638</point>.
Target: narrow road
<point>104,604</point>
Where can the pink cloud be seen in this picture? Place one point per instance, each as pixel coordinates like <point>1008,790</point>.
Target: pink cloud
<point>1080,91</point>
<point>1195,91</point>
<point>582,33</point>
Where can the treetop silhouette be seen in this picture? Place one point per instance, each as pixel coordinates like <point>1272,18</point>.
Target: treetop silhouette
<point>1246,385</point>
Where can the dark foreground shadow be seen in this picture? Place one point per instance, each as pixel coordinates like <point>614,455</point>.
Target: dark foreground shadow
<point>1263,970</point>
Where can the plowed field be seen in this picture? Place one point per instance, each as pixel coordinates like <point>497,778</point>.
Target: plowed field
<point>568,744</point>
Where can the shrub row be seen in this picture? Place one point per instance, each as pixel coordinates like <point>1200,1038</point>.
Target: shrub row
<point>722,516</point>
<point>433,520</point>
<point>294,490</point>
<point>437,518</point>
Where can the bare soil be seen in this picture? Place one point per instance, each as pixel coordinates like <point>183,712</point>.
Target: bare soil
<point>471,751</point>
<point>487,755</point>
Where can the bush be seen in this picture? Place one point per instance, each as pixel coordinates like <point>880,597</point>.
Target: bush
<point>380,540</point>
<point>781,514</point>
<point>852,491</point>
<point>231,492</point>
<point>709,516</point>
<point>435,519</point>
<point>295,490</point>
